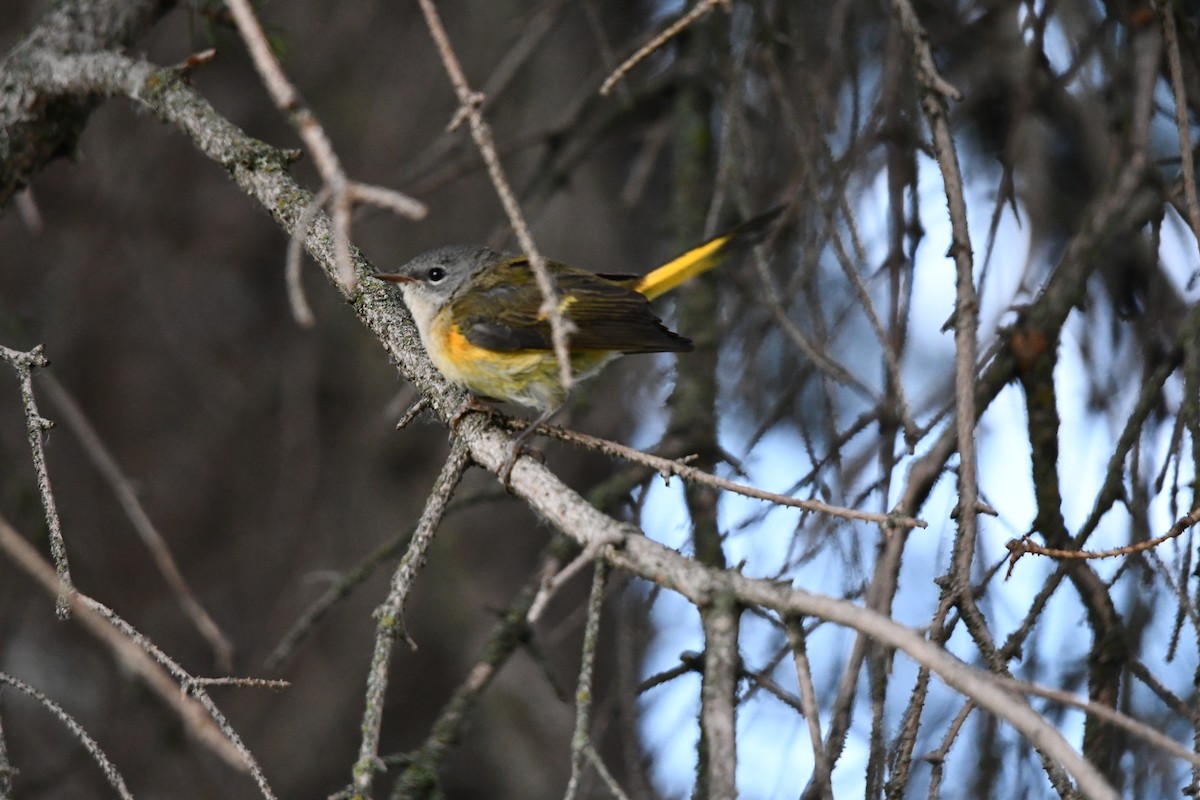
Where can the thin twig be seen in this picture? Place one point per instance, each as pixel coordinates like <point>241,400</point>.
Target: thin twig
<point>338,589</point>
<point>342,584</point>
<point>976,684</point>
<point>389,617</point>
<point>891,361</point>
<point>7,770</point>
<point>935,93</point>
<point>938,757</point>
<point>808,703</point>
<point>222,738</point>
<point>412,413</point>
<point>441,157</point>
<point>553,583</point>
<point>107,465</point>
<point>667,467</point>
<point>581,739</point>
<point>137,654</point>
<point>772,295</point>
<point>605,775</point>
<point>481,132</point>
<point>1105,713</point>
<point>1183,124</point>
<point>343,192</point>
<point>301,310</point>
<point>107,767</point>
<point>1019,547</point>
<point>927,71</point>
<point>36,425</point>
<point>242,683</point>
<point>509,633</point>
<point>673,30</point>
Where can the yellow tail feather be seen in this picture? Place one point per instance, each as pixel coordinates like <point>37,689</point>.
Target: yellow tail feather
<point>702,258</point>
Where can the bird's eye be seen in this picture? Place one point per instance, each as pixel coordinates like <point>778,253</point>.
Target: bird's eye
<point>436,274</point>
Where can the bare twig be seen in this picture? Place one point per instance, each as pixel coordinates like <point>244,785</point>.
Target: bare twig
<point>674,29</point>
<point>7,770</point>
<point>221,737</point>
<point>389,617</point>
<point>107,767</point>
<point>437,157</point>
<point>301,310</point>
<point>507,636</point>
<point>341,190</point>
<point>159,550</point>
<point>553,583</point>
<point>933,102</point>
<point>891,361</point>
<point>938,757</point>
<point>414,411</point>
<point>771,294</point>
<point>581,739</point>
<point>139,655</point>
<point>242,683</point>
<point>667,467</point>
<point>481,132</point>
<point>36,425</point>
<point>605,775</point>
<point>338,589</point>
<point>927,71</point>
<point>808,702</point>
<point>346,582</point>
<point>1183,125</point>
<point>1107,714</point>
<point>1019,547</point>
<point>980,686</point>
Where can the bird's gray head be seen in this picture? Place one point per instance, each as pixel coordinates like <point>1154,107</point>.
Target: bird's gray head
<point>436,276</point>
<point>431,279</point>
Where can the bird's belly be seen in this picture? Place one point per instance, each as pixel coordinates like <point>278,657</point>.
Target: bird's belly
<point>526,377</point>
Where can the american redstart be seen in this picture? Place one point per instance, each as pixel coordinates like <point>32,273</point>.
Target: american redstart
<point>480,319</point>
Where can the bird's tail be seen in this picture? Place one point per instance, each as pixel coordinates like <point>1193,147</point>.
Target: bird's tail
<point>704,257</point>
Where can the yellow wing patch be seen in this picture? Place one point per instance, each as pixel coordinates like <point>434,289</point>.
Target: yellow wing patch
<point>563,304</point>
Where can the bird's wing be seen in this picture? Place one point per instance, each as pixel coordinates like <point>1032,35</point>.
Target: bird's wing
<point>502,311</point>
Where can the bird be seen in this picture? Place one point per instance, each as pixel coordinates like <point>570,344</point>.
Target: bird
<point>482,319</point>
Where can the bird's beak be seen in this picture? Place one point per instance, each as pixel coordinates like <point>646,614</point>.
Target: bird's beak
<point>393,277</point>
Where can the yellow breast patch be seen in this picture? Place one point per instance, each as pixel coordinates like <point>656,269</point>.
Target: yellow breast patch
<point>527,377</point>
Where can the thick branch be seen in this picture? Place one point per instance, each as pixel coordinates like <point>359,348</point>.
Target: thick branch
<point>718,701</point>
<point>35,128</point>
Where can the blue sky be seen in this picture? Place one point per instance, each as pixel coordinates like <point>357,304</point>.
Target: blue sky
<point>774,752</point>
